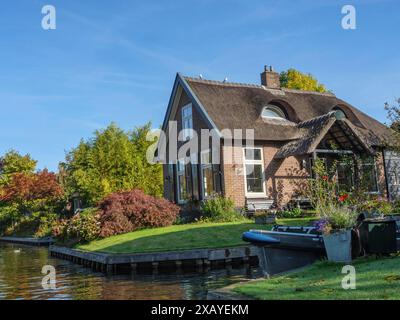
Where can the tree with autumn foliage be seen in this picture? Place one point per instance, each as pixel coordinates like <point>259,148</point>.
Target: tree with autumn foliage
<point>26,187</point>
<point>294,79</point>
<point>29,200</point>
<point>13,162</point>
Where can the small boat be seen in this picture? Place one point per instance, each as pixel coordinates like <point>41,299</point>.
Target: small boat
<point>286,248</point>
<point>295,238</point>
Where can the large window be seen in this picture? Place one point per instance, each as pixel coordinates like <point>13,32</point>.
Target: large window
<point>207,173</point>
<point>187,121</point>
<point>368,175</point>
<point>182,184</point>
<point>254,171</point>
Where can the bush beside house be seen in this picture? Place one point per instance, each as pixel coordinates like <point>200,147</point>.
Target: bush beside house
<point>123,212</point>
<point>117,213</point>
<point>220,209</point>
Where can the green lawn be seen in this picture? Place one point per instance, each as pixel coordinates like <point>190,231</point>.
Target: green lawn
<point>375,279</point>
<point>181,237</point>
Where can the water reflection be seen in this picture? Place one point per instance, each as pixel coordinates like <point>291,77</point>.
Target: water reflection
<point>21,277</point>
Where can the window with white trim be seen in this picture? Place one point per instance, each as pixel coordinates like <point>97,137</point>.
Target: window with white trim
<point>207,173</point>
<point>254,171</point>
<point>181,179</point>
<point>187,121</point>
<point>273,112</point>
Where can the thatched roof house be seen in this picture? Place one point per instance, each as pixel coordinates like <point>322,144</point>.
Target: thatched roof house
<point>290,128</point>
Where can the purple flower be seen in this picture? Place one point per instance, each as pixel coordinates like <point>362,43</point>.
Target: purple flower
<point>321,224</point>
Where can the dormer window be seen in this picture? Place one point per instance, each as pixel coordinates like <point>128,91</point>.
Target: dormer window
<point>339,113</point>
<point>273,112</point>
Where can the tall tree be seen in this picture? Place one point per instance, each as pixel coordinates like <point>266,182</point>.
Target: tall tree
<point>393,115</point>
<point>13,162</point>
<point>113,160</point>
<point>294,79</point>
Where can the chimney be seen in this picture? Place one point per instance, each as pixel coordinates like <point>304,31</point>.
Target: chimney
<point>270,78</point>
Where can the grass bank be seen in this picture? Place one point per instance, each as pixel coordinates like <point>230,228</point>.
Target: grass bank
<point>375,279</point>
<point>181,237</point>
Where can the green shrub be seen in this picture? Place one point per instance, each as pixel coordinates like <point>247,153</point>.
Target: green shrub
<point>396,207</point>
<point>293,213</point>
<point>220,209</point>
<point>82,227</point>
<point>9,217</point>
<point>380,206</point>
<point>341,218</point>
<point>45,224</point>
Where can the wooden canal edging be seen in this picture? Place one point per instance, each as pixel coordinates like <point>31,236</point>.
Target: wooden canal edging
<point>29,241</point>
<point>177,259</point>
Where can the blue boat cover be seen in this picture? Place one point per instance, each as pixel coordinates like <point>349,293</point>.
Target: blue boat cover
<point>259,238</point>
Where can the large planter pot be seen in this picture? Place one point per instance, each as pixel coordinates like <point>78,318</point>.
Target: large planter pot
<point>338,246</point>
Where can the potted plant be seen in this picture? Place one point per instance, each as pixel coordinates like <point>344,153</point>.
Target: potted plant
<point>337,219</point>
<point>336,226</point>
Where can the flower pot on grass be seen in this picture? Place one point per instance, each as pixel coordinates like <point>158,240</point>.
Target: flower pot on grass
<point>338,246</point>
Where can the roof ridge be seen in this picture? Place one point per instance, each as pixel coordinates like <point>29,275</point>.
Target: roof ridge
<point>328,115</point>
<point>328,94</point>
<point>259,86</point>
<point>223,83</point>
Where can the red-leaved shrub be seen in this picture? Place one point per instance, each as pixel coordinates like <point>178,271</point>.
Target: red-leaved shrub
<point>122,212</point>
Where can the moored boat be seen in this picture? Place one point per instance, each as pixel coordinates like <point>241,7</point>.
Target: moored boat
<point>284,248</point>
<point>295,238</point>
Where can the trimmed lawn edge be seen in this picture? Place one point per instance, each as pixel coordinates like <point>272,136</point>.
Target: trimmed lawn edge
<point>376,279</point>
<point>192,236</point>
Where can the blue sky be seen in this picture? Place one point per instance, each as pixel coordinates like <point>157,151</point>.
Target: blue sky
<point>116,60</point>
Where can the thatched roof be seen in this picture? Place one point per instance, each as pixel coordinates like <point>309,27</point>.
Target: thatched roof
<point>326,126</point>
<point>239,106</point>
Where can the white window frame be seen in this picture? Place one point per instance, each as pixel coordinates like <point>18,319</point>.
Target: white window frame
<point>253,162</point>
<point>187,121</point>
<point>275,109</point>
<point>205,166</point>
<point>180,172</point>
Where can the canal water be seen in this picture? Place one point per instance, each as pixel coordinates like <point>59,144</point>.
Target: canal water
<point>21,278</point>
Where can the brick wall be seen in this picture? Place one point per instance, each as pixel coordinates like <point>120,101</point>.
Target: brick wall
<point>283,178</point>
<point>233,174</point>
